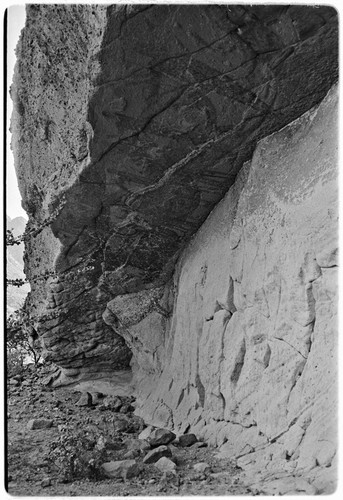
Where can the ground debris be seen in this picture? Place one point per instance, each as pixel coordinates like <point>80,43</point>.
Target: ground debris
<point>106,433</point>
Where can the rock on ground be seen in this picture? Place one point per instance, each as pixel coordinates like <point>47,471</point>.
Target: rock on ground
<point>86,399</point>
<point>39,423</point>
<point>164,464</point>
<point>202,467</point>
<point>158,437</point>
<point>154,455</point>
<point>145,434</point>
<point>121,468</point>
<point>187,440</point>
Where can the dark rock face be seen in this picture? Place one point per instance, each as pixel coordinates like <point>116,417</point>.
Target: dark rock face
<point>139,121</point>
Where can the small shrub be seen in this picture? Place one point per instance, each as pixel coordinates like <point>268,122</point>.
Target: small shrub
<point>15,362</point>
<point>17,337</point>
<point>75,455</point>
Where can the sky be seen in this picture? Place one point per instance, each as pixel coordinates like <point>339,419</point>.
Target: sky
<point>16,21</point>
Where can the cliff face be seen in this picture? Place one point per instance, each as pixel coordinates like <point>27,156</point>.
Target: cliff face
<point>251,361</point>
<point>130,125</point>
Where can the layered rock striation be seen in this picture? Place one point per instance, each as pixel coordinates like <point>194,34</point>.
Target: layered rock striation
<point>187,243</point>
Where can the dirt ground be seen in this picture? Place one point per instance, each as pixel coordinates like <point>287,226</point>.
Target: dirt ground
<point>32,472</point>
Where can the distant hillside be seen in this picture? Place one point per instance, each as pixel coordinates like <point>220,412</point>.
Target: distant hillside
<point>15,266</point>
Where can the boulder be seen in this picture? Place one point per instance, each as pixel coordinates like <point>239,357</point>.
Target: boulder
<point>144,445</point>
<point>106,443</point>
<point>121,425</point>
<point>169,480</point>
<point>14,382</point>
<point>202,467</point>
<point>85,399</point>
<point>125,469</point>
<point>154,455</point>
<point>39,423</point>
<point>45,483</point>
<point>126,408</point>
<point>137,444</point>
<point>145,434</point>
<point>160,436</point>
<point>132,454</point>
<point>113,403</point>
<point>97,397</point>
<point>186,440</point>
<point>164,464</point>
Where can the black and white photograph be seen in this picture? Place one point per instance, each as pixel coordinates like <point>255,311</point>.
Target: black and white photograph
<point>170,239</point>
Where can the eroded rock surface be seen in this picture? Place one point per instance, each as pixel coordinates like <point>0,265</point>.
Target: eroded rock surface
<point>253,338</point>
<point>132,128</point>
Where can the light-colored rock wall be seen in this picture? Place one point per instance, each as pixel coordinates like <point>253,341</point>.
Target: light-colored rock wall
<point>251,347</point>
